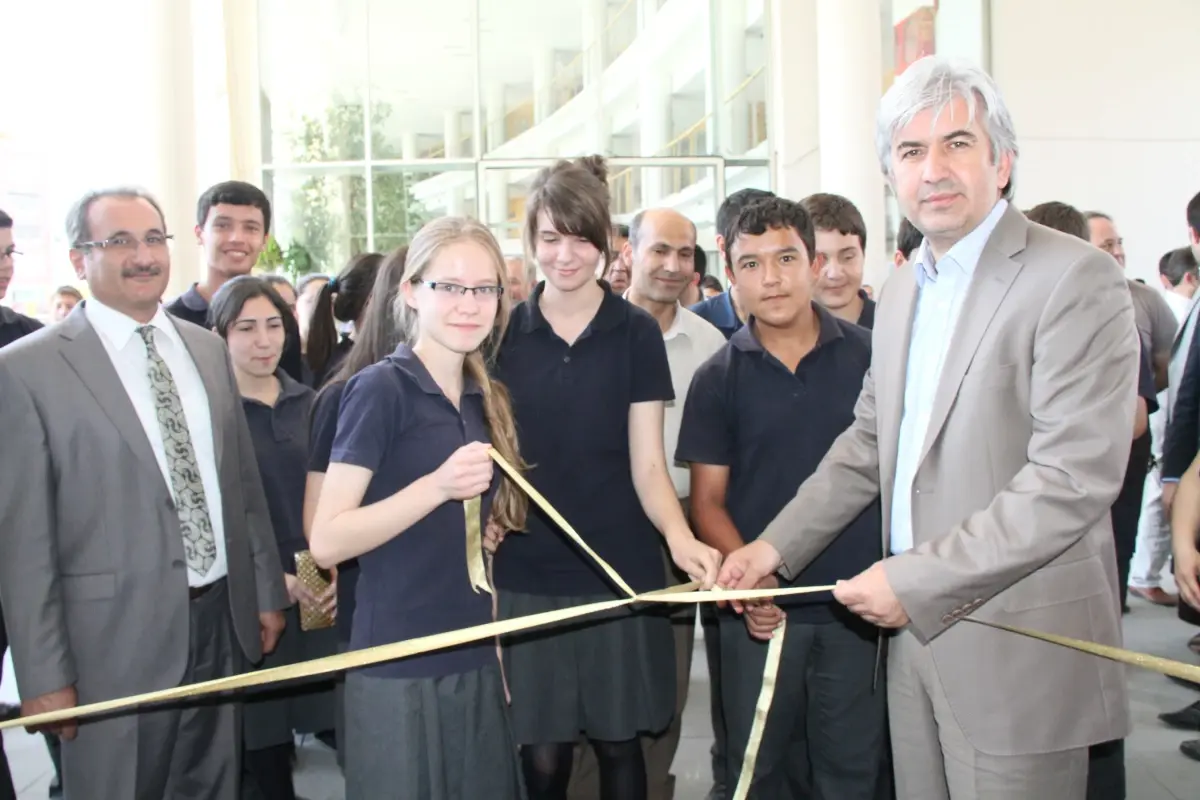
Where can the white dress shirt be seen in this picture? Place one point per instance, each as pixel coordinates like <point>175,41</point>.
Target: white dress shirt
<point>691,340</point>
<point>125,347</point>
<point>941,289</point>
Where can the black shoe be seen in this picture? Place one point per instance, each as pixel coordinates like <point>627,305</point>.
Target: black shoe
<point>9,712</point>
<point>56,792</point>
<point>1191,749</point>
<point>1187,718</point>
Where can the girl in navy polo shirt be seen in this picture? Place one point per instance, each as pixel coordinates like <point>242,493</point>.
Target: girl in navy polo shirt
<point>589,375</point>
<point>411,445</point>
<point>248,313</point>
<point>375,338</point>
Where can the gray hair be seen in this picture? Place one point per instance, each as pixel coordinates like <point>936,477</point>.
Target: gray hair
<point>77,218</point>
<point>932,83</point>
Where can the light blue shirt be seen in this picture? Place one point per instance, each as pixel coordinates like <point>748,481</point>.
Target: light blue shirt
<point>941,289</point>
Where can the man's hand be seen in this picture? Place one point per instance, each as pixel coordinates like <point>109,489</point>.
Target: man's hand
<point>746,567</point>
<point>54,701</point>
<point>869,594</point>
<point>271,625</point>
<point>763,616</point>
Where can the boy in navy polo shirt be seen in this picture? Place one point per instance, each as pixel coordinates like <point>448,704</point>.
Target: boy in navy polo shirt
<point>759,417</point>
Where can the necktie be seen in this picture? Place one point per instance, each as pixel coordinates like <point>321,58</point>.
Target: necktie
<point>199,543</point>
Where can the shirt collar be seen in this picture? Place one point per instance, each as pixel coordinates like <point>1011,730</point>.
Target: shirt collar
<point>120,328</point>
<point>677,328</point>
<point>745,340</point>
<point>965,253</point>
<point>612,311</point>
<point>410,364</point>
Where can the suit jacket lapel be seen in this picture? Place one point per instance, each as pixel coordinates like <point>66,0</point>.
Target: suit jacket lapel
<point>889,365</point>
<point>215,375</point>
<point>85,354</point>
<point>994,275</point>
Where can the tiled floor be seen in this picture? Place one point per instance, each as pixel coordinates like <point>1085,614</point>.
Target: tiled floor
<point>1156,770</point>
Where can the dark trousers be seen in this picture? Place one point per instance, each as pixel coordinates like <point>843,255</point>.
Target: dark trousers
<point>7,792</point>
<point>824,734</point>
<point>712,650</point>
<point>184,752</point>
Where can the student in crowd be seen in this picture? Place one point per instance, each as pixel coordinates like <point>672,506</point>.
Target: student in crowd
<point>285,289</point>
<point>589,376</point>
<point>724,310</point>
<point>842,243</point>
<point>341,300</point>
<point>64,301</point>
<point>412,446</point>
<point>794,361</point>
<point>710,286</point>
<point>233,219</point>
<point>377,337</point>
<point>908,239</point>
<point>249,315</point>
<point>308,289</point>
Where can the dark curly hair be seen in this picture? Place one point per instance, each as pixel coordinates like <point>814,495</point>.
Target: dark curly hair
<point>774,213</point>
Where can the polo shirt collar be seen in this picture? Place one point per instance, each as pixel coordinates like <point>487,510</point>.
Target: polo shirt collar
<point>410,364</point>
<point>612,312</point>
<point>829,331</point>
<point>677,328</point>
<point>193,300</point>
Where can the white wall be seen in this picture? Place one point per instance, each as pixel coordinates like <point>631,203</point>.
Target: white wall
<point>1107,118</point>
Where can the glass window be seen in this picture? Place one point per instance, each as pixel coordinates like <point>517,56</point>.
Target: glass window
<point>415,107</point>
<point>313,67</point>
<point>320,218</point>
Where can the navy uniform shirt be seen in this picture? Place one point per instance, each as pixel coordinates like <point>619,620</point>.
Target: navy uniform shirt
<point>321,434</point>
<point>866,317</point>
<point>280,436</point>
<point>719,312</point>
<point>571,404</point>
<point>1140,452</point>
<point>395,421</point>
<point>14,326</point>
<point>771,427</point>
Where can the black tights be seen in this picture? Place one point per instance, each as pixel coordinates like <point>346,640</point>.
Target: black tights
<point>547,769</point>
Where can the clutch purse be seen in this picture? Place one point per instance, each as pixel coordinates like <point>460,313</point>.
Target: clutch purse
<point>317,582</point>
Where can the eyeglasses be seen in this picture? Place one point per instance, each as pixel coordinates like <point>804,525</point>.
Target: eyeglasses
<point>9,252</point>
<point>155,241</point>
<point>456,290</point>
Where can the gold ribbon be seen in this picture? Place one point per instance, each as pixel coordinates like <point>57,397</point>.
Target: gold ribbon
<point>477,570</point>
<point>686,593</point>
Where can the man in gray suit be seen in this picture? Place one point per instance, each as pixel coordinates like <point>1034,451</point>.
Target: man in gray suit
<point>136,552</point>
<point>995,424</point>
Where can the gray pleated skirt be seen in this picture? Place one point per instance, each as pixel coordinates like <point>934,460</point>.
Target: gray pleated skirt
<point>272,714</point>
<point>444,738</point>
<point>609,677</point>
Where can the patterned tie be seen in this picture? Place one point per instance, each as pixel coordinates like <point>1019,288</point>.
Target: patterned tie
<point>199,543</point>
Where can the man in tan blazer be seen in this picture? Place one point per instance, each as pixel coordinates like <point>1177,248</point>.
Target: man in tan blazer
<point>995,423</point>
<point>136,550</point>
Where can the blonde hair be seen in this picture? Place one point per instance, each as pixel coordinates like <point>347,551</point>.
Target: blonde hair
<point>511,505</point>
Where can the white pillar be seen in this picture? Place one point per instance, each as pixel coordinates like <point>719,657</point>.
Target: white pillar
<point>849,83</point>
<point>543,84</point>
<point>408,145</point>
<point>494,111</point>
<point>654,127</point>
<point>173,133</point>
<point>793,98</point>
<point>733,118</point>
<point>595,20</point>
<point>452,125</point>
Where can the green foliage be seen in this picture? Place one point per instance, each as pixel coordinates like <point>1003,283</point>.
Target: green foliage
<point>271,258</point>
<point>332,207</point>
